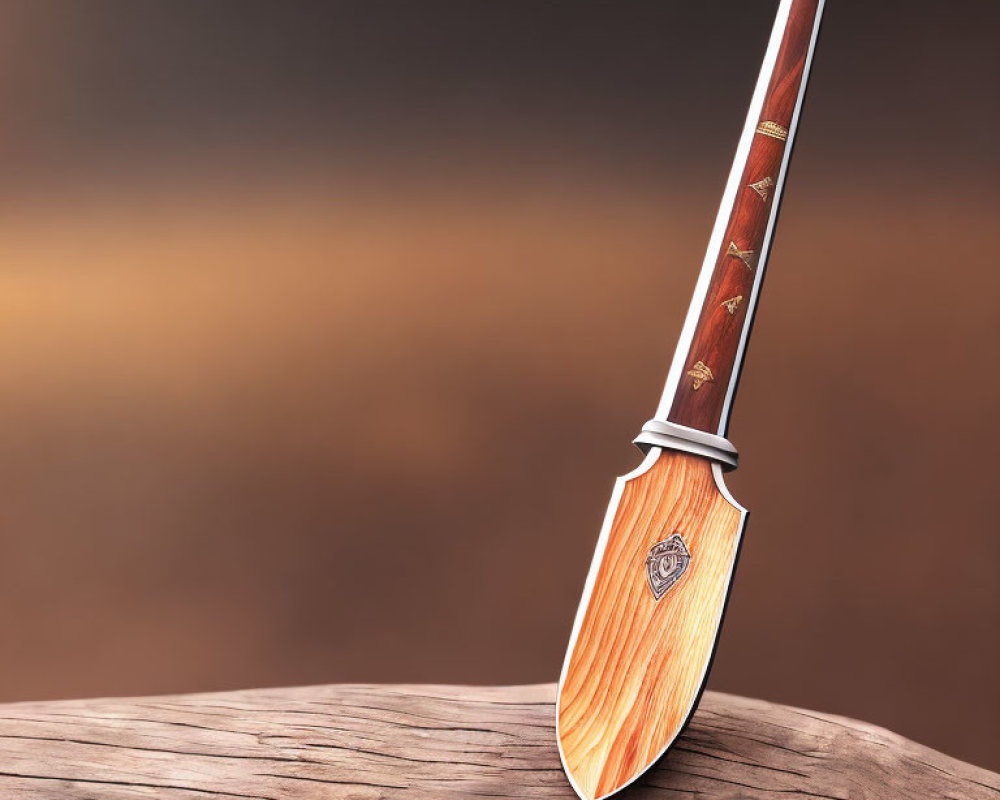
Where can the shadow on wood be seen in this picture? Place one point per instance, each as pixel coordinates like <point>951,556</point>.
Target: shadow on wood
<point>437,742</point>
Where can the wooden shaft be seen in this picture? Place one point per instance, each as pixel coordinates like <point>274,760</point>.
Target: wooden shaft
<point>707,364</point>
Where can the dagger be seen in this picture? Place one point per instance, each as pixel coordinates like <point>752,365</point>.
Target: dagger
<point>652,605</point>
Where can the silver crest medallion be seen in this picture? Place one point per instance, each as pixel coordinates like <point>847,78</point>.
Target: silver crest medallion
<point>666,562</point>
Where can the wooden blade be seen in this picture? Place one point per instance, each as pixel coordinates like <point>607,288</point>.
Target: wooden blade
<point>637,664</point>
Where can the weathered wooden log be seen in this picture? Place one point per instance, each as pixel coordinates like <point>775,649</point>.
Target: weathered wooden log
<point>439,742</point>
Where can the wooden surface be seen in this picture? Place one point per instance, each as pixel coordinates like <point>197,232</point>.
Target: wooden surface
<point>439,743</point>
<point>637,663</point>
<point>725,312</point>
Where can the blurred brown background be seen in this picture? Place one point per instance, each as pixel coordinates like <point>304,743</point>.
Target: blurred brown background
<point>324,328</point>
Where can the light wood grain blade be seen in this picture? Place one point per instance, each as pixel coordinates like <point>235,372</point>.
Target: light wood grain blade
<point>636,665</point>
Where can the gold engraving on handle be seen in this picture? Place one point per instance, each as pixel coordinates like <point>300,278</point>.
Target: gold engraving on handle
<point>701,374</point>
<point>774,130</point>
<point>731,304</point>
<point>748,257</point>
<point>763,187</point>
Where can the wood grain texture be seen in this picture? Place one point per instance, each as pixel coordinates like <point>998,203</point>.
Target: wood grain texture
<point>636,664</point>
<point>439,743</point>
<point>726,312</point>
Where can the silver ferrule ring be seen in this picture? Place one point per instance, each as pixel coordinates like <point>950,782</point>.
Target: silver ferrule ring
<point>669,435</point>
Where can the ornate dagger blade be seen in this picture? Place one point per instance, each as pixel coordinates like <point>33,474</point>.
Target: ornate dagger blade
<point>648,622</point>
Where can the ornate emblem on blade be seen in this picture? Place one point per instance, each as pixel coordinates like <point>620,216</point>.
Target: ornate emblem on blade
<point>666,562</point>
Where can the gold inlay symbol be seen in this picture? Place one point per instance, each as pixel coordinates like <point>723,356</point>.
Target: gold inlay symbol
<point>763,188</point>
<point>732,304</point>
<point>774,130</point>
<point>701,374</point>
<point>748,257</point>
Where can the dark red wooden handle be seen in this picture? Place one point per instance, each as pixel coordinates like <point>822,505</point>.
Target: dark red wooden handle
<point>700,398</point>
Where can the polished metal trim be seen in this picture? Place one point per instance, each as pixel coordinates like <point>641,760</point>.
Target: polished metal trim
<point>671,436</point>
